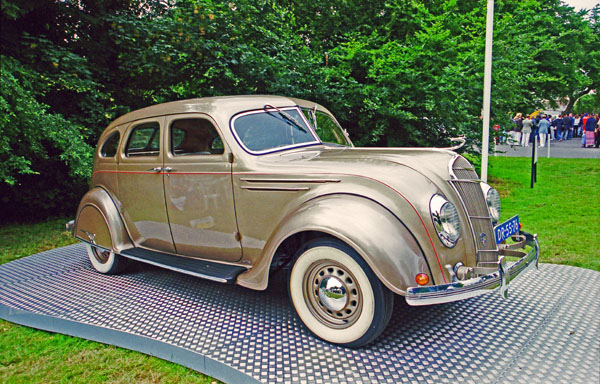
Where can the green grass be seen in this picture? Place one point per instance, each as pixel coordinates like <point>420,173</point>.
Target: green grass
<point>18,240</point>
<point>562,208</point>
<point>32,356</point>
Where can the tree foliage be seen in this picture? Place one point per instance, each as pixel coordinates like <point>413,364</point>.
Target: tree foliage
<point>394,72</point>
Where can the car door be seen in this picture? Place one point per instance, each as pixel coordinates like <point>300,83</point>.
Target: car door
<point>198,189</point>
<point>140,183</point>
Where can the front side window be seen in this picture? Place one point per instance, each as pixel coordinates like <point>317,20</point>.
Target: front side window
<point>272,129</point>
<point>326,127</point>
<point>109,148</point>
<point>195,137</point>
<point>144,140</point>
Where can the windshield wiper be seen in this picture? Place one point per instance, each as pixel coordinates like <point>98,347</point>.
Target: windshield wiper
<point>287,116</point>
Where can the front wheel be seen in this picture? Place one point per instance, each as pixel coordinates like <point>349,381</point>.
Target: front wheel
<point>106,261</point>
<point>337,295</point>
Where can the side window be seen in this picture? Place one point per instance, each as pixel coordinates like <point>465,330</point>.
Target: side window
<point>144,140</point>
<point>194,137</point>
<point>109,148</point>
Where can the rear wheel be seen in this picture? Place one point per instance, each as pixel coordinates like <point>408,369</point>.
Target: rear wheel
<point>337,295</point>
<point>106,261</point>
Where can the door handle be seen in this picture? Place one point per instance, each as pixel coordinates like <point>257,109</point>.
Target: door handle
<point>156,169</point>
<point>167,169</point>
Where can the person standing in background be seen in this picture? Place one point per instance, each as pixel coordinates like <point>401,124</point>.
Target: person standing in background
<point>527,125</point>
<point>584,119</point>
<point>571,126</point>
<point>590,128</point>
<point>565,124</point>
<point>597,131</point>
<point>559,127</point>
<point>576,126</point>
<point>534,128</point>
<point>543,127</point>
<point>516,133</point>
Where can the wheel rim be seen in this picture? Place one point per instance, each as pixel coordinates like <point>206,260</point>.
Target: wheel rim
<point>101,255</point>
<point>332,294</point>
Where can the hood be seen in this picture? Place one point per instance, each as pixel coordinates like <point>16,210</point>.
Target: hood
<point>433,164</point>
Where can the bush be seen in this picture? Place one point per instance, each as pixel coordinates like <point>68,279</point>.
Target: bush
<point>46,160</point>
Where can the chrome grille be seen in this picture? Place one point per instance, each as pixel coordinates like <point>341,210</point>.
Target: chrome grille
<point>463,170</point>
<point>466,184</point>
<point>473,197</point>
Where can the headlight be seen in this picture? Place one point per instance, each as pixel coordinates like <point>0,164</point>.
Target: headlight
<point>493,202</point>
<point>445,220</point>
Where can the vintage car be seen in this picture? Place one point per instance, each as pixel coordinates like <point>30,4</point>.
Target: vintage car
<point>232,188</point>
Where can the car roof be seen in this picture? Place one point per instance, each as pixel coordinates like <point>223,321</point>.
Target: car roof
<point>224,104</point>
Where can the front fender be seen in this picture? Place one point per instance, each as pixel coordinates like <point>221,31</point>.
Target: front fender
<point>379,237</point>
<point>98,221</point>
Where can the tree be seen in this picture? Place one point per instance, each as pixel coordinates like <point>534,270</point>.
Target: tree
<point>394,72</point>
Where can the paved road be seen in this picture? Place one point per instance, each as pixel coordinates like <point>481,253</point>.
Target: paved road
<point>570,149</point>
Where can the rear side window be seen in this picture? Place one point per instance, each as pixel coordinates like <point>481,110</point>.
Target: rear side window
<point>109,148</point>
<point>144,140</point>
<point>195,137</point>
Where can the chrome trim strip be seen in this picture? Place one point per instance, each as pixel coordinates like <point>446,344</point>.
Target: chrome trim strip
<point>450,169</point>
<point>275,149</point>
<point>94,244</point>
<point>212,278</point>
<point>282,189</point>
<point>92,236</point>
<point>460,290</point>
<point>249,180</point>
<point>464,169</point>
<point>467,181</point>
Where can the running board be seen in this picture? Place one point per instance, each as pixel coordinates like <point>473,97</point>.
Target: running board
<point>222,273</point>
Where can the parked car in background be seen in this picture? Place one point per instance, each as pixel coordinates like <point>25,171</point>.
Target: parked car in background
<point>231,188</point>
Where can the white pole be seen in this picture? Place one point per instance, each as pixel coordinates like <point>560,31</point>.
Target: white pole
<point>487,88</point>
<point>549,136</point>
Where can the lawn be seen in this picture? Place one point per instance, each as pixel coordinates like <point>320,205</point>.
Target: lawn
<point>562,208</point>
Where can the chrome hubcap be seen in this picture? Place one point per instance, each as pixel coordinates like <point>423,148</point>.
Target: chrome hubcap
<point>332,294</point>
<point>101,255</point>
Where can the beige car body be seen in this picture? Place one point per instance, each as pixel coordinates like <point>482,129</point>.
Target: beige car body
<point>249,210</point>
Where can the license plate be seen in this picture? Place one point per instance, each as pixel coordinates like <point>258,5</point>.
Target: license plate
<point>508,228</point>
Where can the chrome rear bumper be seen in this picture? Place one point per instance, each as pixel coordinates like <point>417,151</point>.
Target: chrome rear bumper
<point>460,290</point>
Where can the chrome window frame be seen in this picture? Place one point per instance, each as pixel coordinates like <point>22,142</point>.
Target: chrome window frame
<point>317,140</point>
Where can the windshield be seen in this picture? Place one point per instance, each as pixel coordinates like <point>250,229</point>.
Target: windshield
<point>326,127</point>
<point>272,129</point>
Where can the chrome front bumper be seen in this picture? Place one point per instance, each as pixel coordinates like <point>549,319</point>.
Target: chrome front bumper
<point>460,290</point>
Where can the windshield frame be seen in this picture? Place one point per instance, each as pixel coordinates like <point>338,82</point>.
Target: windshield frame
<point>313,111</point>
<point>309,127</point>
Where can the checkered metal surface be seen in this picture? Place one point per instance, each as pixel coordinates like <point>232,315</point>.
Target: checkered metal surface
<point>547,332</point>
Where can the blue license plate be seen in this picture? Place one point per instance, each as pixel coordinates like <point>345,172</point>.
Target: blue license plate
<point>507,229</point>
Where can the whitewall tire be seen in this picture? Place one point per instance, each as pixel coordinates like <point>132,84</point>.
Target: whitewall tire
<point>105,261</point>
<point>337,295</point>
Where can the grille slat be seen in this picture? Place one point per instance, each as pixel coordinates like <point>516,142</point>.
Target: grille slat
<point>466,184</point>
<point>473,197</point>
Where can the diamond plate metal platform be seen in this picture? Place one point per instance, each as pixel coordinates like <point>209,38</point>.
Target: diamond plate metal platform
<point>547,332</point>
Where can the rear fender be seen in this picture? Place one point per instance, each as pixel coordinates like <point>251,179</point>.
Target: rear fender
<point>379,237</point>
<point>98,222</point>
